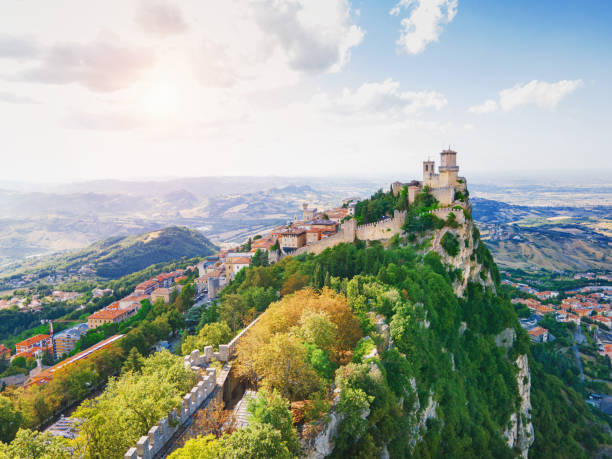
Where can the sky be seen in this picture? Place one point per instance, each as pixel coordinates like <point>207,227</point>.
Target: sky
<point>161,88</point>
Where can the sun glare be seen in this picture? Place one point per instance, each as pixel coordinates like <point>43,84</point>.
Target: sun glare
<point>162,99</point>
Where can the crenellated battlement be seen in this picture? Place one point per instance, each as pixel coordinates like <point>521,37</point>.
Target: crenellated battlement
<point>205,390</point>
<point>148,446</point>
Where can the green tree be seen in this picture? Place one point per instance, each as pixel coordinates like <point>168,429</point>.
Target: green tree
<point>132,403</point>
<point>318,329</point>
<point>233,310</point>
<point>282,365</point>
<point>186,298</point>
<point>133,362</point>
<point>352,405</point>
<point>205,447</point>
<point>47,358</point>
<point>260,258</point>
<point>259,297</point>
<point>272,409</point>
<point>257,441</point>
<point>210,335</point>
<point>450,244</point>
<point>10,420</point>
<point>30,444</point>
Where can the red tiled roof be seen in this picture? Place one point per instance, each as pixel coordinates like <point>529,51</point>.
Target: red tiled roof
<point>240,261</point>
<point>32,340</point>
<point>537,331</point>
<point>4,350</point>
<point>108,314</point>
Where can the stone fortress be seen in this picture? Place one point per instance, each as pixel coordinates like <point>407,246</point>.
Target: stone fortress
<point>442,185</point>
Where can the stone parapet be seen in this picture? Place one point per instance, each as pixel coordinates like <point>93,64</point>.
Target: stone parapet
<point>148,446</point>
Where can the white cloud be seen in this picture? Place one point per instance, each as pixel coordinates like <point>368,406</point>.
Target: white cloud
<point>542,94</point>
<point>161,18</point>
<point>110,121</point>
<point>539,93</point>
<point>13,47</point>
<point>424,23</point>
<point>315,35</point>
<point>383,99</point>
<point>487,106</point>
<point>15,99</point>
<point>103,65</point>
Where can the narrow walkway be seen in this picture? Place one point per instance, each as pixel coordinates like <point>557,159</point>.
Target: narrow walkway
<point>185,431</point>
<point>241,417</point>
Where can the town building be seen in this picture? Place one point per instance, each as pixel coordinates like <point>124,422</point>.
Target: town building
<point>64,342</point>
<point>214,286</point>
<point>100,292</point>
<point>233,266</point>
<point>162,293</point>
<point>308,214</point>
<point>292,239</point>
<point>265,243</point>
<point>5,352</point>
<point>146,287</point>
<point>538,334</point>
<point>321,224</point>
<point>113,314</point>
<point>132,299</point>
<point>33,345</point>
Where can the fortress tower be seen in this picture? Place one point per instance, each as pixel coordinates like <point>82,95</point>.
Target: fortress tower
<point>442,184</point>
<point>429,173</point>
<point>448,168</point>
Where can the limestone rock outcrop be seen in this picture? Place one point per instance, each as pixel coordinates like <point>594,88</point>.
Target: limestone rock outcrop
<point>519,433</point>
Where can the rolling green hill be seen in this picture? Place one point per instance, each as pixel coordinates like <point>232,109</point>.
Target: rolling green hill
<point>118,256</point>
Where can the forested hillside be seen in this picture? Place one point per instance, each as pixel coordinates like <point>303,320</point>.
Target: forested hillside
<point>378,350</point>
<point>115,257</point>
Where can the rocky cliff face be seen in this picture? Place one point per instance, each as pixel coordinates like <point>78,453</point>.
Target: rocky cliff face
<point>519,433</point>
<point>471,269</point>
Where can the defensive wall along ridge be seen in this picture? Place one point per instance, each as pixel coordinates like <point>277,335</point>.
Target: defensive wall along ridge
<point>349,231</point>
<point>209,386</point>
<point>377,231</point>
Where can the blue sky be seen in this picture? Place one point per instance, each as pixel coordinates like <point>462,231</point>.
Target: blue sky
<point>158,88</point>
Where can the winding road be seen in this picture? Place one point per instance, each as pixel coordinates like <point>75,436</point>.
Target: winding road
<point>578,338</point>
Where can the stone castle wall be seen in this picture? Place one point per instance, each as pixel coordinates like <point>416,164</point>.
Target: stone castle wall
<point>381,230</point>
<point>150,445</point>
<point>445,194</point>
<point>160,434</point>
<point>378,231</point>
<point>443,213</point>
